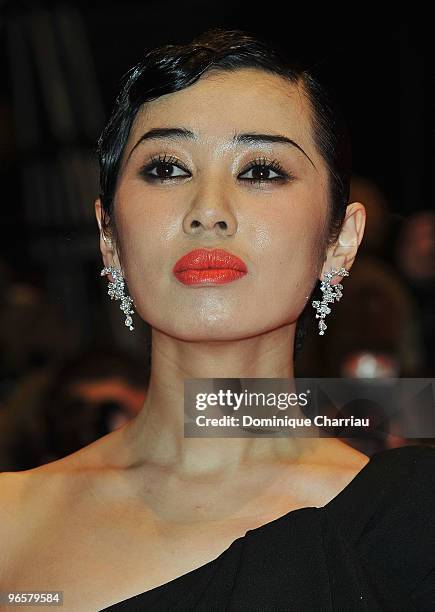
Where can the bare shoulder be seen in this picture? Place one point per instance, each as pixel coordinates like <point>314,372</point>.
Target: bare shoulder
<point>18,511</point>
<point>28,493</point>
<point>20,489</point>
<point>16,493</point>
<point>29,496</point>
<point>38,508</point>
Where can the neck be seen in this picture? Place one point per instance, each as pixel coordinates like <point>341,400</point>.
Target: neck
<point>156,435</point>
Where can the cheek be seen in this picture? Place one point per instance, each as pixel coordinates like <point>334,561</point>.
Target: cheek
<point>289,271</point>
<point>289,259</point>
<point>145,229</point>
<point>151,242</point>
<point>289,237</point>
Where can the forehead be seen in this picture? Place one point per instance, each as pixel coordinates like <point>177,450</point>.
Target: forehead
<point>219,103</point>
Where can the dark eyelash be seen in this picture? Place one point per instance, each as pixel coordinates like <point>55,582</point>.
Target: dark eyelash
<point>261,162</point>
<point>264,164</point>
<point>165,159</point>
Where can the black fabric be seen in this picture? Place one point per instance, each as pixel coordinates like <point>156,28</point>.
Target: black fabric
<point>370,548</point>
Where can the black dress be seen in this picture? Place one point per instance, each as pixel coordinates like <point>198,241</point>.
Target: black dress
<point>371,548</point>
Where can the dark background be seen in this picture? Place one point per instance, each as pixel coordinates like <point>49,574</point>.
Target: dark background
<point>61,64</point>
<point>381,69</point>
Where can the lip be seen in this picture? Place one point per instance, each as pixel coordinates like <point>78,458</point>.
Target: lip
<point>214,266</point>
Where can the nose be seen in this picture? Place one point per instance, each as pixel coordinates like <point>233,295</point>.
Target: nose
<point>210,214</point>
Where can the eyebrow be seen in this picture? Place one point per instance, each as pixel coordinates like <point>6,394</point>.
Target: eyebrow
<point>176,133</point>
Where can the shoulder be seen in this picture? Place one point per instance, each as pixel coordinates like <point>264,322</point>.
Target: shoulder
<point>388,519</point>
<point>406,475</point>
<point>15,500</point>
<point>398,483</point>
<point>399,540</point>
<point>30,493</point>
<point>14,494</point>
<point>36,506</point>
<point>404,494</point>
<point>29,497</point>
<point>413,454</point>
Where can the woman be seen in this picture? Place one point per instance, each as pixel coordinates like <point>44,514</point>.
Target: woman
<point>218,145</point>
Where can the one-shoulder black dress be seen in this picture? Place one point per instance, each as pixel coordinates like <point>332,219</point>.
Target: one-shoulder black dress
<point>370,548</point>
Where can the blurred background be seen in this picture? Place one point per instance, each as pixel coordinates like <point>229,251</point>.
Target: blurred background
<point>70,369</point>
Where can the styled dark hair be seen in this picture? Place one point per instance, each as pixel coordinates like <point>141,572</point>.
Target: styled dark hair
<point>170,68</point>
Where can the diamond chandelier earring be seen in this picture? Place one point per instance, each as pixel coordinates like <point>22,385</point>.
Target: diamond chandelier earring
<point>330,293</point>
<point>116,292</point>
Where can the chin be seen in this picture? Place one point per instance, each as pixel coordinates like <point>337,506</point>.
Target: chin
<point>195,329</point>
<point>212,329</point>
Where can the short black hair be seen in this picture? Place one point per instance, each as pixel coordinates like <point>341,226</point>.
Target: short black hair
<point>173,67</point>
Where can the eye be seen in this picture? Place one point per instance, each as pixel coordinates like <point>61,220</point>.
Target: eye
<point>162,168</point>
<point>261,169</point>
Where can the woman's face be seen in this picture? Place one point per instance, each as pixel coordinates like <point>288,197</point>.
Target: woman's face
<point>179,193</point>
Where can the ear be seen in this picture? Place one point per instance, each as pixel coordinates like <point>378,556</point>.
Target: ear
<point>342,253</point>
<point>107,246</point>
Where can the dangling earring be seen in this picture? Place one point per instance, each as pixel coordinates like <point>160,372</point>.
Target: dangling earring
<point>116,291</point>
<point>330,293</point>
